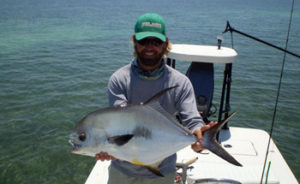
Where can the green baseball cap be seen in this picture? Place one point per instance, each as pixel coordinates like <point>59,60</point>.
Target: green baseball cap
<point>150,25</point>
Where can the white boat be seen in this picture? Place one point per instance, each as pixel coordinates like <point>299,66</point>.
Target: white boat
<point>248,146</point>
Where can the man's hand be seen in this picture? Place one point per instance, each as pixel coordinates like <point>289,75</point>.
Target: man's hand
<point>198,145</point>
<point>104,156</point>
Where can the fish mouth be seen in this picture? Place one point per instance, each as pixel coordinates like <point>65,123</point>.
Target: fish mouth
<point>75,147</point>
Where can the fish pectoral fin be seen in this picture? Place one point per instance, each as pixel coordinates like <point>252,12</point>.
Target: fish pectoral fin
<point>120,139</point>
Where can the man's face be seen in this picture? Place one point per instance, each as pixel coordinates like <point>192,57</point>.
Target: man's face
<point>150,51</point>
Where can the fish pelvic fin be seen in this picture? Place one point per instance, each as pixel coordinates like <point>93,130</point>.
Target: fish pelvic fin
<point>152,168</point>
<point>120,139</point>
<point>212,145</point>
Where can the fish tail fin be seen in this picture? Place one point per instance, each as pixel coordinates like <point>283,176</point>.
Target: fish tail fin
<point>212,145</point>
<point>221,124</point>
<point>218,150</point>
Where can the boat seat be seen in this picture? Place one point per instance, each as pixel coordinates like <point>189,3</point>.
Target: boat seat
<point>202,77</point>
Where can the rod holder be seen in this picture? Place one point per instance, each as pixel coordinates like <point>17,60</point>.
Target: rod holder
<point>220,39</point>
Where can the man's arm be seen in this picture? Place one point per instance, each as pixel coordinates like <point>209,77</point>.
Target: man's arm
<point>190,116</point>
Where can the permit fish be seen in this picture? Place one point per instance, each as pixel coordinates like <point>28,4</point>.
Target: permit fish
<point>143,134</point>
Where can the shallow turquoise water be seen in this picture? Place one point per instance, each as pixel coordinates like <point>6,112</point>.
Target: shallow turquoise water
<point>56,57</point>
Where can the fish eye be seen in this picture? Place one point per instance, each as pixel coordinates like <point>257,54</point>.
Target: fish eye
<point>82,137</point>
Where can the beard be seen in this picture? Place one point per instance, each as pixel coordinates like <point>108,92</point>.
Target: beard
<point>147,60</point>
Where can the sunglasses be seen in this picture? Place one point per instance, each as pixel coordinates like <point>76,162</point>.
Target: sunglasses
<point>154,42</point>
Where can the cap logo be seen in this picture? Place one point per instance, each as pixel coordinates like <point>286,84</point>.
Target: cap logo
<point>150,24</point>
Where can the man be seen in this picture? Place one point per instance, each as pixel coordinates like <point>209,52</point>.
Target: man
<point>140,80</point>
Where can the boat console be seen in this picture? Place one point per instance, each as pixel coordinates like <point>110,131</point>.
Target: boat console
<point>201,72</point>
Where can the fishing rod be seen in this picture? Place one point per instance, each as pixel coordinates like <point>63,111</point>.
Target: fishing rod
<point>231,29</point>
<point>277,96</point>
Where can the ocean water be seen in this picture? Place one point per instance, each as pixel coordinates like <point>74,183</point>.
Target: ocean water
<point>56,57</point>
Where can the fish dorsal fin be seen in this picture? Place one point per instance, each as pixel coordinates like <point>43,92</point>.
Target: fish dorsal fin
<point>120,139</point>
<point>156,97</point>
<point>154,103</point>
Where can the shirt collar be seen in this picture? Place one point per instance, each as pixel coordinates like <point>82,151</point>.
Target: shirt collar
<point>146,74</point>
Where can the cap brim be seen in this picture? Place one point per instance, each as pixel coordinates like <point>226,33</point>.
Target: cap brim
<point>142,35</point>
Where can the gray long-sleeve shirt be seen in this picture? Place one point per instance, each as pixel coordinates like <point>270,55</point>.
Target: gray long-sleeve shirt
<point>127,87</point>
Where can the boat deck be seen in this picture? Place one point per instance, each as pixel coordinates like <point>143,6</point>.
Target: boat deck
<point>248,146</point>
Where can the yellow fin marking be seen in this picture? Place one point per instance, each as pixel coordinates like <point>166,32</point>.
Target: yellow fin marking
<point>153,169</point>
<point>136,162</point>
